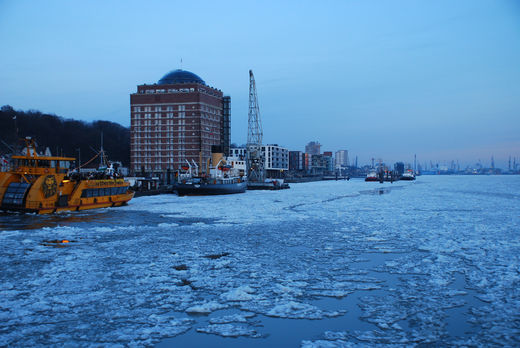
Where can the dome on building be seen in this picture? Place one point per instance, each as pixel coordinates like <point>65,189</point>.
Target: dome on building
<point>180,76</point>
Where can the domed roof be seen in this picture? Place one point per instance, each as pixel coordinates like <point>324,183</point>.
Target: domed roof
<point>180,76</point>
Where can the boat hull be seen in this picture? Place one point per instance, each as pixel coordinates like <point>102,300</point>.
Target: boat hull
<point>200,189</point>
<point>407,178</point>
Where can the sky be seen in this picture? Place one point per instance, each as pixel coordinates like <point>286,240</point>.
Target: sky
<point>382,79</point>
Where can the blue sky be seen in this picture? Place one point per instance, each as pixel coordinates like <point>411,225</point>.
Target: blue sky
<point>383,79</point>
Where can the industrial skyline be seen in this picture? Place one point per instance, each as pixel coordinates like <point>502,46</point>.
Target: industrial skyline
<point>382,80</point>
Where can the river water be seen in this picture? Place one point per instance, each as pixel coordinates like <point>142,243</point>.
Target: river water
<point>324,264</point>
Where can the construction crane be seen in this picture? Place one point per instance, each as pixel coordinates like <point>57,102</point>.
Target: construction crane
<point>254,154</point>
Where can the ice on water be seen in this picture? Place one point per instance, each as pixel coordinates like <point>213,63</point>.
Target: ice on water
<point>436,261</point>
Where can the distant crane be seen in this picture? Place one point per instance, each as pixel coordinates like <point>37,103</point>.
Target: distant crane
<point>254,154</point>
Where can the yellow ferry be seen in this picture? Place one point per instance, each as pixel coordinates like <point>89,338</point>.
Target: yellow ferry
<point>43,185</point>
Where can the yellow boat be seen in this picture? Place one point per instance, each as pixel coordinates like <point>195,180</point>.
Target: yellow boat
<point>42,184</point>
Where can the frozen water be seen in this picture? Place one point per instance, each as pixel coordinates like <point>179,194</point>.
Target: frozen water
<point>229,330</point>
<point>333,264</point>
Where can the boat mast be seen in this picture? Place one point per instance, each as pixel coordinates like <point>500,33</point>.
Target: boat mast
<point>102,152</point>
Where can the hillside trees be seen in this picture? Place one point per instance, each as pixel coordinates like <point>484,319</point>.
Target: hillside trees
<point>64,136</point>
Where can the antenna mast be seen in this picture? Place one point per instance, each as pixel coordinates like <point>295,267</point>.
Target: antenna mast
<point>255,157</point>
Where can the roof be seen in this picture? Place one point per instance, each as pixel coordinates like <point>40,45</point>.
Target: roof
<point>180,76</point>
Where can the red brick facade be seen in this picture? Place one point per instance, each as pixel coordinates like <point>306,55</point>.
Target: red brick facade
<point>172,123</point>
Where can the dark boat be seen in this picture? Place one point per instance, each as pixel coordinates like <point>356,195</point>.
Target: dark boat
<point>372,176</point>
<point>408,175</point>
<point>211,186</point>
<point>222,179</point>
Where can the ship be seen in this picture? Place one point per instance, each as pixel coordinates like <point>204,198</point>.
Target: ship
<point>221,178</point>
<point>372,176</point>
<point>46,184</point>
<point>408,175</point>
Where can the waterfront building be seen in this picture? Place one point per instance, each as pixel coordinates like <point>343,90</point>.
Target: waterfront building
<point>276,160</point>
<point>296,161</point>
<point>341,158</point>
<point>307,162</point>
<point>237,152</point>
<point>176,120</point>
<point>329,161</point>
<point>313,148</point>
<point>318,164</point>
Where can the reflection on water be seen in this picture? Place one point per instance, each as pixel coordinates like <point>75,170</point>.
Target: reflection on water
<point>21,221</point>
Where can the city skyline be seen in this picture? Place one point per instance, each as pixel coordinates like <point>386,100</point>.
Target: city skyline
<point>382,80</point>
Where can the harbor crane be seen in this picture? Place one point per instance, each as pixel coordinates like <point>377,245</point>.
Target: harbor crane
<point>254,154</point>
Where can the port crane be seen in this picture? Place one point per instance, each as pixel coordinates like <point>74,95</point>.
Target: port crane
<point>254,154</point>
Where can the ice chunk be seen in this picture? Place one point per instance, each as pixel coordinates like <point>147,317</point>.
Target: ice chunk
<point>242,293</point>
<point>205,308</point>
<point>229,330</point>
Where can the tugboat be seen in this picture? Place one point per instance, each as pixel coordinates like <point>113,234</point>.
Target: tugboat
<point>45,184</point>
<point>408,175</point>
<point>372,176</point>
<point>222,178</point>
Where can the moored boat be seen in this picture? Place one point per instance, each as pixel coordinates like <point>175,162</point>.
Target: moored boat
<point>222,178</point>
<point>211,186</point>
<point>408,175</point>
<point>45,184</point>
<point>372,176</point>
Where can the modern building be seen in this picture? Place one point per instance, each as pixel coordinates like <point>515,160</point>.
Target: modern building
<point>296,161</point>
<point>175,121</point>
<point>341,158</point>
<point>276,160</point>
<point>329,160</point>
<point>237,152</point>
<point>318,165</point>
<point>313,148</point>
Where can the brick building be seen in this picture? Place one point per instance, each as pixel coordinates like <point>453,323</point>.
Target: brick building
<point>176,120</point>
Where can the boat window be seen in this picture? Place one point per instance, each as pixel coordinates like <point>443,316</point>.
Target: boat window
<point>53,164</point>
